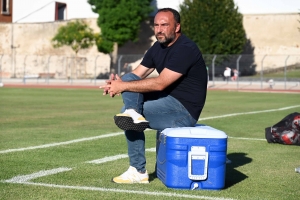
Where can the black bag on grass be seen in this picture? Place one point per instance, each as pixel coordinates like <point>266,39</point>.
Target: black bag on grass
<point>286,131</point>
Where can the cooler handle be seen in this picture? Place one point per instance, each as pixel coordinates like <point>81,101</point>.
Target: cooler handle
<point>197,153</point>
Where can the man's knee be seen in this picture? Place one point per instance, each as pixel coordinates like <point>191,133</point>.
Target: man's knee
<point>130,77</point>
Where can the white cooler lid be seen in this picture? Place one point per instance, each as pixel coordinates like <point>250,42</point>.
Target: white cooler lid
<point>200,131</point>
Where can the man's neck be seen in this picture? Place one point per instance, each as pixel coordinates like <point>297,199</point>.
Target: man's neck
<point>176,37</point>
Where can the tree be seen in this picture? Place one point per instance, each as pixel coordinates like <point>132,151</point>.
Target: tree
<point>215,25</point>
<point>119,21</point>
<point>76,34</point>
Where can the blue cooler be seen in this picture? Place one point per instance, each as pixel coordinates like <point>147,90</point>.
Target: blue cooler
<point>192,158</point>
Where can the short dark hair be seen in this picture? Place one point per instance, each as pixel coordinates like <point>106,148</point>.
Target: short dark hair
<point>175,13</point>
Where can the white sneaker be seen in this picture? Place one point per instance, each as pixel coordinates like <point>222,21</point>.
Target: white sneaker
<point>132,176</point>
<point>131,120</point>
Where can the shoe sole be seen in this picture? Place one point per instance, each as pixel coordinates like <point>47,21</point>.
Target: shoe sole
<point>126,123</point>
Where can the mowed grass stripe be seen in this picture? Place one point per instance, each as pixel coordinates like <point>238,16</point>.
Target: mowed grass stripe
<point>120,133</point>
<point>28,118</point>
<point>26,180</point>
<point>156,193</point>
<point>249,113</point>
<point>62,143</point>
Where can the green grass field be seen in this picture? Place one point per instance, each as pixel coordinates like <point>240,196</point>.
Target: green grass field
<point>48,138</point>
<point>292,73</point>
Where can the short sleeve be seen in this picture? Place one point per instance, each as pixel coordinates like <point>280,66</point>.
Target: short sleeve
<point>148,59</point>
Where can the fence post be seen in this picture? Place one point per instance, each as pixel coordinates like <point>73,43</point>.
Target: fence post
<point>71,69</point>
<point>119,65</point>
<point>261,72</point>
<point>285,72</point>
<point>95,69</point>
<point>48,75</point>
<point>24,75</point>
<point>238,69</point>
<point>213,69</point>
<point>64,64</point>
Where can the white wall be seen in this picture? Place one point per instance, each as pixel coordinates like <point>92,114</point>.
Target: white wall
<point>27,11</point>
<point>248,6</point>
<point>268,6</point>
<point>80,9</point>
<point>44,10</point>
<point>35,11</point>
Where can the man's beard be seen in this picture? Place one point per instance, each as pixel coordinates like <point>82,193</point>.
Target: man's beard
<point>166,40</point>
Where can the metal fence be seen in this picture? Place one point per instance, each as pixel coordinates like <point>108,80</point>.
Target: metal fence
<point>54,67</point>
<point>261,69</point>
<point>250,67</point>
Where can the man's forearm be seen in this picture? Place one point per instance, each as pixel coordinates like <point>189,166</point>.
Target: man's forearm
<point>144,85</point>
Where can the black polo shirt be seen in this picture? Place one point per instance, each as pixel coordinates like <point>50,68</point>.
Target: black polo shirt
<point>183,57</point>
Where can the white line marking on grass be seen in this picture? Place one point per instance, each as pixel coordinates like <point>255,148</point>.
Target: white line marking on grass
<point>248,113</point>
<point>159,194</point>
<point>120,133</point>
<point>62,143</point>
<point>107,159</point>
<point>26,178</point>
<point>113,158</point>
<point>151,149</point>
<point>241,138</point>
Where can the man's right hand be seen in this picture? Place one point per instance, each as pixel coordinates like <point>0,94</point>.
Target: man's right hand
<point>108,82</point>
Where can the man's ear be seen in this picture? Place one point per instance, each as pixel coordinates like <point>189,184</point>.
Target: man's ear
<point>177,28</point>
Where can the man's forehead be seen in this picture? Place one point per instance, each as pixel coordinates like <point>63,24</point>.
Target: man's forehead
<point>167,16</point>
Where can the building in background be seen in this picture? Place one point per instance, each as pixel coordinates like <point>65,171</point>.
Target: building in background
<point>27,26</point>
<point>6,11</point>
<point>33,11</point>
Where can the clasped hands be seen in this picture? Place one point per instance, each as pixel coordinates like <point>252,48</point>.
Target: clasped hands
<point>113,86</point>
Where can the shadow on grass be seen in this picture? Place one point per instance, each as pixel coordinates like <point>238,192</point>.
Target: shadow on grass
<point>152,176</point>
<point>233,176</point>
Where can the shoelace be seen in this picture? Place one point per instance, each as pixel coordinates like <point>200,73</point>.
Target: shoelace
<point>131,176</point>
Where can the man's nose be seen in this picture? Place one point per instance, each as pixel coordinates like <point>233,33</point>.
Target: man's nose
<point>158,28</point>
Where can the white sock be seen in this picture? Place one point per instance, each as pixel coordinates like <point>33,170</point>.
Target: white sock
<point>133,114</point>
